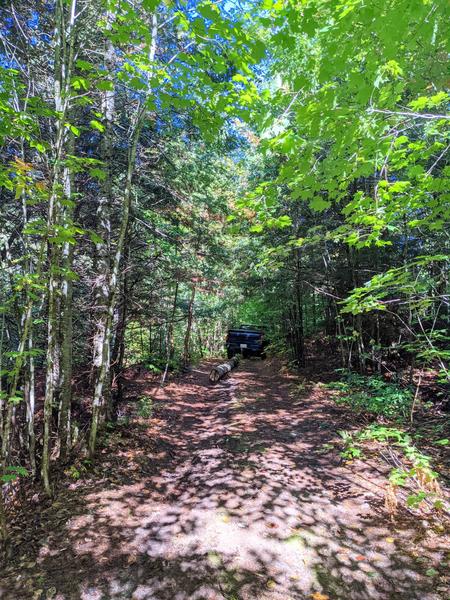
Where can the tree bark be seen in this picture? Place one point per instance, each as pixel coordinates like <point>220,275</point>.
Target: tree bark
<point>169,336</point>
<point>119,341</point>
<point>187,337</point>
<point>66,327</point>
<point>64,57</point>
<point>102,291</point>
<point>298,312</point>
<point>219,371</point>
<point>104,371</point>
<point>31,403</point>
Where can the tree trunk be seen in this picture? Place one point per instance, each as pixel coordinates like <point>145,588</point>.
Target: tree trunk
<point>104,371</point>
<point>102,291</point>
<point>298,311</point>
<point>30,399</point>
<point>64,57</point>
<point>187,337</point>
<point>12,396</point>
<point>150,341</point>
<point>119,342</point>
<point>66,328</point>
<point>200,342</point>
<point>169,336</point>
<point>357,322</point>
<point>219,371</point>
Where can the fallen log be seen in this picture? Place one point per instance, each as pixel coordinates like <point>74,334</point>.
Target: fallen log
<point>219,371</point>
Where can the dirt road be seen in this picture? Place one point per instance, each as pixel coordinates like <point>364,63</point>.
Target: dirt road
<point>232,492</point>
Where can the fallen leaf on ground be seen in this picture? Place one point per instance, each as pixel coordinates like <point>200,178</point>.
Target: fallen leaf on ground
<point>319,596</point>
<point>390,540</point>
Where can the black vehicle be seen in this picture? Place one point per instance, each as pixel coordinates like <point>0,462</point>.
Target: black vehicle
<point>248,340</point>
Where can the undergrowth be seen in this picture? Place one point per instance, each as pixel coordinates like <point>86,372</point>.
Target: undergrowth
<point>145,407</point>
<point>373,395</point>
<point>412,478</point>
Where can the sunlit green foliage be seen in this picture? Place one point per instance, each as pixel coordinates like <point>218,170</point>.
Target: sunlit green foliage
<point>413,469</point>
<point>373,395</point>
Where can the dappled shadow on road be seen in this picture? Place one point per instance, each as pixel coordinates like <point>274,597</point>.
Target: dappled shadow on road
<point>230,492</point>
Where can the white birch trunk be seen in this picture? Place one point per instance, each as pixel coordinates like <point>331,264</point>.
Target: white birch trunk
<point>64,54</point>
<point>104,371</point>
<point>103,248</point>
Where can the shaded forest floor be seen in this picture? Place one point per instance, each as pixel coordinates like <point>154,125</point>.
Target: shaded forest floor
<point>233,492</point>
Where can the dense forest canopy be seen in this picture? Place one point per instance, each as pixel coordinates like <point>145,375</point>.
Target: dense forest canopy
<point>170,169</point>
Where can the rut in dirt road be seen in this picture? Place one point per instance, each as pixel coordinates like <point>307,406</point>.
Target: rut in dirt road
<point>232,493</point>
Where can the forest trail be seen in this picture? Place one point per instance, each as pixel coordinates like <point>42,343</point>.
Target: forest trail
<point>227,492</point>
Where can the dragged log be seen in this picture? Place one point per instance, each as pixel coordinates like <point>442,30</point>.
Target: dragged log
<point>219,371</point>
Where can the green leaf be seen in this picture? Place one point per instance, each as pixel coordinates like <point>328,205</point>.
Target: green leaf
<point>98,174</point>
<point>80,83</point>
<point>22,471</point>
<point>283,221</point>
<point>318,204</point>
<point>8,478</point>
<point>76,132</point>
<point>209,11</point>
<point>97,125</point>
<point>105,85</point>
<point>150,4</point>
<point>38,145</point>
<point>15,399</point>
<point>83,65</point>
<point>94,237</point>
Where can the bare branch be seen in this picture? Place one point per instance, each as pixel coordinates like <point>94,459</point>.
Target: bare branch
<point>412,115</point>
